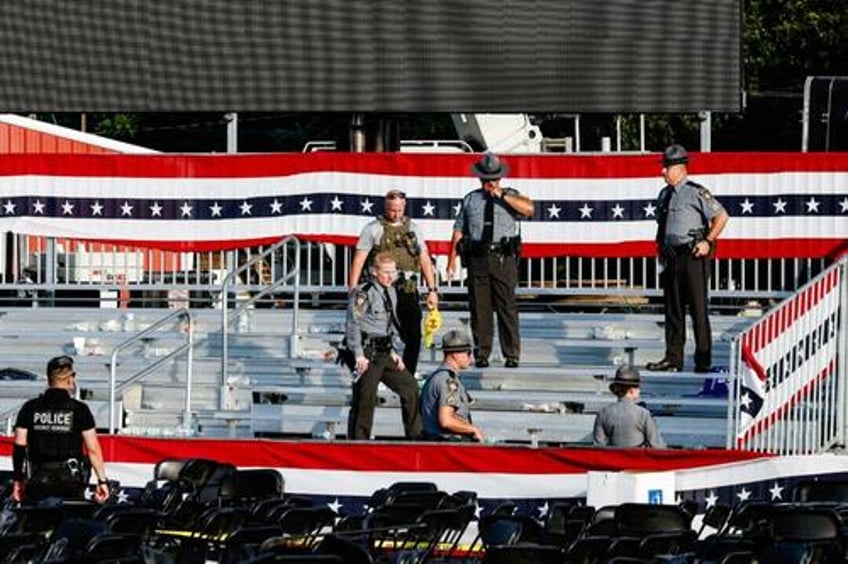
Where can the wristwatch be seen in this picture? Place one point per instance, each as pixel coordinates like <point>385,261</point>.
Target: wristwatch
<point>102,482</point>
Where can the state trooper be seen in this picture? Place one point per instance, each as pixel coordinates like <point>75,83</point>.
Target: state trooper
<point>487,236</point>
<point>50,433</point>
<point>625,423</point>
<point>445,403</point>
<point>371,337</point>
<point>689,222</point>
<point>395,233</point>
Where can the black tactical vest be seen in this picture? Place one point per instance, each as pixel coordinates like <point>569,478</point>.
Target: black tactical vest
<point>52,436</point>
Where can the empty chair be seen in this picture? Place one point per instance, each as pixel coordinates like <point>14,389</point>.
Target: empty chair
<point>798,535</point>
<point>640,519</point>
<point>70,539</point>
<point>715,517</point>
<point>601,522</point>
<point>137,521</point>
<point>245,487</point>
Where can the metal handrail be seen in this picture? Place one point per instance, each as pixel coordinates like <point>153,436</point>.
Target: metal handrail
<point>225,323</point>
<point>113,367</point>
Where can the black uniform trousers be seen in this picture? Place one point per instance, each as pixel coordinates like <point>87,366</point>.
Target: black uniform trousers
<point>685,284</point>
<point>492,279</point>
<point>361,416</point>
<point>409,320</point>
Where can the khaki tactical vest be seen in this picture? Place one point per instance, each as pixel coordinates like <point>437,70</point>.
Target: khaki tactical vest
<point>401,243</point>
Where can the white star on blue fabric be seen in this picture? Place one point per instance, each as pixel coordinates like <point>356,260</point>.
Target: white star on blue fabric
<point>812,205</point>
<point>776,491</point>
<point>123,497</point>
<point>155,210</point>
<point>779,206</point>
<point>457,208</point>
<point>618,211</point>
<point>844,205</point>
<point>650,210</point>
<point>185,210</point>
<point>38,207</point>
<point>9,207</point>
<point>67,208</point>
<point>744,494</point>
<point>747,206</point>
<point>543,510</point>
<point>745,400</point>
<point>97,208</point>
<point>336,205</point>
<point>306,204</point>
<point>711,499</point>
<point>215,210</point>
<point>553,211</point>
<point>367,205</point>
<point>428,209</point>
<point>335,506</point>
<point>246,208</point>
<point>276,206</point>
<point>126,209</point>
<point>586,211</point>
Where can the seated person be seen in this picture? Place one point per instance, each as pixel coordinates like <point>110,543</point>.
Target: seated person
<point>625,423</point>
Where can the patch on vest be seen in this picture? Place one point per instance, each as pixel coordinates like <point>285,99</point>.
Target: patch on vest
<point>360,304</point>
<point>58,421</point>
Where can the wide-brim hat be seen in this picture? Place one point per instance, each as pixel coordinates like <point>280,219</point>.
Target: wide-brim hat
<point>456,341</point>
<point>674,154</point>
<point>625,376</point>
<point>490,167</point>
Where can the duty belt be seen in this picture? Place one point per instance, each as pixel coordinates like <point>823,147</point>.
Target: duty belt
<point>407,282</point>
<point>376,345</point>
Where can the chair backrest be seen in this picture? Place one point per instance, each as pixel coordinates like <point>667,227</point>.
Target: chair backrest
<point>250,485</point>
<point>508,529</point>
<point>70,538</point>
<point>169,469</point>
<point>639,519</point>
<point>348,550</point>
<point>802,524</point>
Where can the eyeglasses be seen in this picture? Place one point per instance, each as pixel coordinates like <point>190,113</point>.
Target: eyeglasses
<point>396,195</point>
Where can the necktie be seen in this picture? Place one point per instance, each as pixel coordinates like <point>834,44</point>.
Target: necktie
<point>489,220</point>
<point>391,310</point>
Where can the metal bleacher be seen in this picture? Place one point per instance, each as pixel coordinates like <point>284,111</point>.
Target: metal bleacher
<point>274,391</point>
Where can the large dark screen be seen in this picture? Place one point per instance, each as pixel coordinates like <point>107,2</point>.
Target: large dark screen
<point>374,55</point>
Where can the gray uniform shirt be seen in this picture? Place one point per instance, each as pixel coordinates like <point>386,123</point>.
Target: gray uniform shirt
<point>443,387</point>
<point>626,425</point>
<point>691,207</point>
<point>368,313</point>
<point>472,215</point>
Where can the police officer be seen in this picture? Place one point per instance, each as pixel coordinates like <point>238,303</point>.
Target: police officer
<point>625,423</point>
<point>370,333</point>
<point>689,222</point>
<point>445,404</point>
<point>50,433</point>
<point>486,234</point>
<point>396,234</point>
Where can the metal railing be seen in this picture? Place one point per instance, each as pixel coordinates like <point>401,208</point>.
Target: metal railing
<point>60,271</point>
<point>789,371</point>
<point>243,307</point>
<point>114,389</point>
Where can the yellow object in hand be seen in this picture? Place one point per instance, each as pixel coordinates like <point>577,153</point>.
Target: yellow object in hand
<point>431,324</point>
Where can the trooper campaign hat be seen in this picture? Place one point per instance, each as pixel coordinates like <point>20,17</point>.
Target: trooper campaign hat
<point>625,376</point>
<point>490,167</point>
<point>674,154</point>
<point>456,341</point>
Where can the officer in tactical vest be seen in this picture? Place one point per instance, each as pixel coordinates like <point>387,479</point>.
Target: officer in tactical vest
<point>689,222</point>
<point>56,444</point>
<point>370,336</point>
<point>486,236</point>
<point>445,403</point>
<point>396,234</point>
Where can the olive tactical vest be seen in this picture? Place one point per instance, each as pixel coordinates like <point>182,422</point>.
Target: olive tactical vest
<point>402,243</point>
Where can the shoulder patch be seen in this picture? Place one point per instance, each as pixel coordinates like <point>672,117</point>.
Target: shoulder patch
<point>360,302</point>
<point>704,193</point>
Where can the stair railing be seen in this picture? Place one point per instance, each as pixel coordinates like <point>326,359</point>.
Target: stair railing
<point>187,347</point>
<point>242,308</point>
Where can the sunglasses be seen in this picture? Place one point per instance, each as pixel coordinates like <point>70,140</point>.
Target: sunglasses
<point>396,195</point>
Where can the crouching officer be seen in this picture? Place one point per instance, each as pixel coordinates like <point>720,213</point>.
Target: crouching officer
<point>625,423</point>
<point>50,433</point>
<point>371,333</point>
<point>445,404</point>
